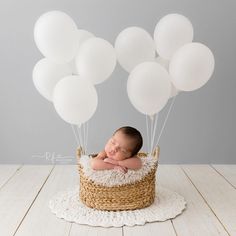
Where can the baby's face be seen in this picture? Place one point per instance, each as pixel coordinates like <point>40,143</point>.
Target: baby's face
<point>118,147</point>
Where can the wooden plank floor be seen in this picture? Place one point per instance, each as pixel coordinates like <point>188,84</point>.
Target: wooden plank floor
<point>210,192</point>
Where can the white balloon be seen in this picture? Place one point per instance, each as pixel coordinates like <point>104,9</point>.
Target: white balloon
<point>149,87</point>
<point>46,74</point>
<point>96,60</point>
<point>165,63</point>
<point>191,66</point>
<point>55,36</point>
<point>133,46</point>
<point>82,36</point>
<point>172,32</point>
<point>75,99</point>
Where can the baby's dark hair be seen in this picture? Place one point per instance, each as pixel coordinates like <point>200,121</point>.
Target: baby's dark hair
<point>135,135</point>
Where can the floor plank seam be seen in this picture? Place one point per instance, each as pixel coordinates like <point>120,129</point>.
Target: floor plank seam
<point>33,201</point>
<point>70,228</point>
<point>222,176</point>
<point>20,167</point>
<point>174,227</point>
<point>205,200</point>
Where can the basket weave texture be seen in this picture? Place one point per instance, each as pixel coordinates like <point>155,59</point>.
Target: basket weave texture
<point>122,197</point>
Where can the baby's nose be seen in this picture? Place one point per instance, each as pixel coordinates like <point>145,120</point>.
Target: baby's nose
<point>114,149</point>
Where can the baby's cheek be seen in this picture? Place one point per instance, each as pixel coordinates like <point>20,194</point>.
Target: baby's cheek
<point>119,157</point>
<point>106,148</point>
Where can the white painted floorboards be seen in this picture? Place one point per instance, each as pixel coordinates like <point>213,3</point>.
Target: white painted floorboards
<point>210,192</point>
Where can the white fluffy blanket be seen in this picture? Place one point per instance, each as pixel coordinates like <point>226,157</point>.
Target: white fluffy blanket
<point>115,177</point>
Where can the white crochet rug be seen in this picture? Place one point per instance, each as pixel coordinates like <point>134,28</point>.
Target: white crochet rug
<point>167,205</point>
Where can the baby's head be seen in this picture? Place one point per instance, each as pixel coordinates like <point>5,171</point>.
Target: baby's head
<point>125,143</point>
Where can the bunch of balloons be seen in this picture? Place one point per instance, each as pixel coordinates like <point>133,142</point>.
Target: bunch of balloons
<point>181,65</point>
<point>76,60</point>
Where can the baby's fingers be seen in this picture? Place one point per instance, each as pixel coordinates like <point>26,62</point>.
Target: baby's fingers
<point>107,160</point>
<point>125,169</point>
<point>121,168</point>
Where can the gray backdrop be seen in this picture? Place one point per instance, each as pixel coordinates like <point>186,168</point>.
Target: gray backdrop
<point>200,128</point>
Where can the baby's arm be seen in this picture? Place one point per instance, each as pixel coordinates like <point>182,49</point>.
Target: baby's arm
<point>97,163</point>
<point>131,163</point>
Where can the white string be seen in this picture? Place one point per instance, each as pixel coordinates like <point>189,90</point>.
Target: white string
<point>80,135</point>
<point>83,134</point>
<point>86,142</point>
<point>152,119</point>
<point>77,128</point>
<point>151,122</point>
<point>147,133</point>
<point>76,138</point>
<point>151,131</point>
<point>84,128</point>
<point>172,103</point>
<point>154,131</point>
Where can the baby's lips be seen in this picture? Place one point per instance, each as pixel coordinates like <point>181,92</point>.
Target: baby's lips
<point>110,153</point>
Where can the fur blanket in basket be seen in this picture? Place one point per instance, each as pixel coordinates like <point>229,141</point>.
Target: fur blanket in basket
<point>111,178</point>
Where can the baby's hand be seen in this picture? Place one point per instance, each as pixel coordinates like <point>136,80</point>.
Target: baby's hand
<point>101,155</point>
<point>121,168</point>
<point>111,161</point>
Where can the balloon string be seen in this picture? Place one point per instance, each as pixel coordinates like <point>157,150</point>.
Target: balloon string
<point>79,135</point>
<point>172,103</point>
<point>87,127</point>
<point>154,131</point>
<point>84,137</point>
<point>151,124</point>
<point>76,138</point>
<point>84,129</point>
<point>152,118</point>
<point>151,129</point>
<point>147,133</point>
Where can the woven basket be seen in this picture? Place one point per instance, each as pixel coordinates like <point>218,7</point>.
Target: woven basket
<point>116,198</point>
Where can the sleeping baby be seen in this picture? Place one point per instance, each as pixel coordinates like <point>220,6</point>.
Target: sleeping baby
<point>120,151</point>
